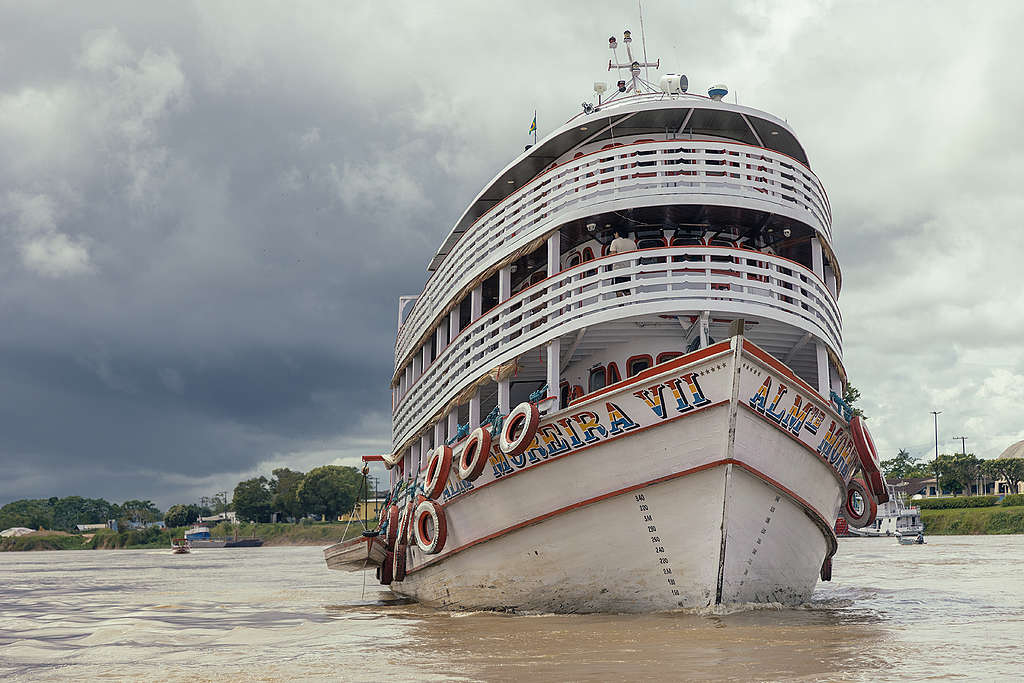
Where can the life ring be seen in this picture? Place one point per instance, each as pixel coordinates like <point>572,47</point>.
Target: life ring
<point>385,572</point>
<point>868,457</point>
<point>525,418</point>
<point>394,516</point>
<point>474,454</point>
<point>869,508</point>
<point>398,563</point>
<point>430,527</point>
<point>438,469</point>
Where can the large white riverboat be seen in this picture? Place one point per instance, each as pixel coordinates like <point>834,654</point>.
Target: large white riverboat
<point>579,428</point>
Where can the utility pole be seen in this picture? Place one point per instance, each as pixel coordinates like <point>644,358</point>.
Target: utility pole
<point>938,489</point>
<point>963,443</point>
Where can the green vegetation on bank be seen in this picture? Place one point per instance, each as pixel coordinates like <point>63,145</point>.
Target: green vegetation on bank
<point>973,521</point>
<point>304,533</point>
<point>957,502</point>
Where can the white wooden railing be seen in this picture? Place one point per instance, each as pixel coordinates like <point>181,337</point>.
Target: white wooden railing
<point>663,172</point>
<point>665,280</point>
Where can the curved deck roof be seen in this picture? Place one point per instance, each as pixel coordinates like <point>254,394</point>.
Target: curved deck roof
<point>637,115</point>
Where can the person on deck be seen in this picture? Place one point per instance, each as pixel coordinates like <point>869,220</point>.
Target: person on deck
<point>621,245</point>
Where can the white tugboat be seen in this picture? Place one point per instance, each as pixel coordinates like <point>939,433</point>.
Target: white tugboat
<point>591,423</point>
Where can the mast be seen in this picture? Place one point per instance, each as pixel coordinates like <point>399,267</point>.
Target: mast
<point>633,65</point>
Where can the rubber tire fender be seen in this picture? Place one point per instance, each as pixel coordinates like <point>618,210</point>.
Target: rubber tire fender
<point>867,516</point>
<point>525,415</point>
<point>475,453</point>
<point>430,510</point>
<point>393,520</point>
<point>439,467</point>
<point>398,564</point>
<point>868,457</point>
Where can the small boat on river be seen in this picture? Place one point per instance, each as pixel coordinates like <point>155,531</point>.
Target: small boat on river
<point>910,538</point>
<point>200,537</point>
<point>180,546</point>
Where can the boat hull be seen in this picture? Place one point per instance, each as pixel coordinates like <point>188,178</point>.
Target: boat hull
<point>711,502</point>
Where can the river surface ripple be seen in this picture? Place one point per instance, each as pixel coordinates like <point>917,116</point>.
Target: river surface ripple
<point>953,609</point>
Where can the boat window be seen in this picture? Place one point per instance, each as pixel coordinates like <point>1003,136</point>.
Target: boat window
<point>563,395</point>
<point>597,378</point>
<point>666,356</point>
<point>588,254</point>
<point>573,260</point>
<point>612,376</point>
<point>637,364</point>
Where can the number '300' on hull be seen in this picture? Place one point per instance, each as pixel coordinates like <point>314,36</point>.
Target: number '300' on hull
<point>713,478</point>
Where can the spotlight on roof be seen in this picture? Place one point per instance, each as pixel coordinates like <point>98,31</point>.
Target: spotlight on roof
<point>673,84</point>
<point>591,227</point>
<point>588,108</point>
<point>717,92</point>
<point>600,87</point>
<point>621,86</point>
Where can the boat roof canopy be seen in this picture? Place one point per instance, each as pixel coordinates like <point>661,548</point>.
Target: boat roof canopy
<point>675,118</point>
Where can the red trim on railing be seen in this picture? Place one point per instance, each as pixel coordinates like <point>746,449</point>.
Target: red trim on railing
<point>594,263</point>
<point>576,158</point>
<point>590,265</point>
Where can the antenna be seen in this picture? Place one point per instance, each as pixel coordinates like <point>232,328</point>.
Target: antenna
<point>631,64</point>
<point>643,42</point>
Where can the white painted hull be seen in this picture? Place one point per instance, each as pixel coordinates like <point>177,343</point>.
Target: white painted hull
<point>715,505</point>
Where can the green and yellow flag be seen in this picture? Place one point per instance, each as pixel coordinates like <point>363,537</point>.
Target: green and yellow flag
<point>533,126</point>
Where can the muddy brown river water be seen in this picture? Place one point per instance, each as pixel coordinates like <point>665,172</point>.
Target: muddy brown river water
<point>953,609</point>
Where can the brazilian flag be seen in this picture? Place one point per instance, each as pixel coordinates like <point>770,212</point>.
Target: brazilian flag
<point>533,126</point>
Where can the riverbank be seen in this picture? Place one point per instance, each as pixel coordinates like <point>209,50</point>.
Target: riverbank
<point>974,521</point>
<point>315,534</point>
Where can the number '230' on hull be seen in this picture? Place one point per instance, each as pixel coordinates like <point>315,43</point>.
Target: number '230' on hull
<point>714,478</point>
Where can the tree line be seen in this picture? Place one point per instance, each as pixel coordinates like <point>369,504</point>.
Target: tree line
<point>326,491</point>
<point>65,513</point>
<point>956,471</point>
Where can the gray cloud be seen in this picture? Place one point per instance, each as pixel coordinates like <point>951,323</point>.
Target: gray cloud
<point>210,210</point>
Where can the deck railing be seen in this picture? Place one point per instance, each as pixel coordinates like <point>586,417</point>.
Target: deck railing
<point>637,174</point>
<point>665,280</point>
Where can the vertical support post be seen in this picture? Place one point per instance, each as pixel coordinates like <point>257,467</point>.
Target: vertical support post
<point>817,258</point>
<point>411,456</point>
<point>504,397</point>
<point>439,437</point>
<point>417,368</point>
<point>476,302</point>
<point>453,423</point>
<point>555,253</point>
<point>824,376</point>
<point>504,292</point>
<point>554,351</point>
<point>830,282</point>
<point>427,355</point>
<point>705,331</point>
<point>441,337</point>
<point>474,410</point>
<point>425,446</point>
<point>453,324</point>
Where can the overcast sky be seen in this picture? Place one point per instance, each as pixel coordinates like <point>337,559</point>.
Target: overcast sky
<point>208,210</point>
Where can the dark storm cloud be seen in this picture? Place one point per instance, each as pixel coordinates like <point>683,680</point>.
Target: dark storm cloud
<point>208,211</point>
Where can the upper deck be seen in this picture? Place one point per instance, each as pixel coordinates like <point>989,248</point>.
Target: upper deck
<point>668,151</point>
<point>661,115</point>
